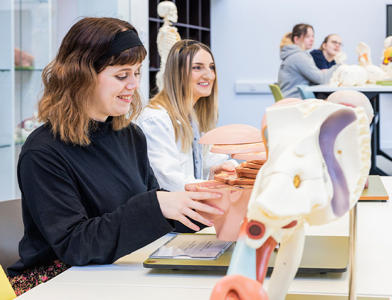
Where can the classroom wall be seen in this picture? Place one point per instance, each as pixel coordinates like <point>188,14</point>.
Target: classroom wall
<point>245,37</point>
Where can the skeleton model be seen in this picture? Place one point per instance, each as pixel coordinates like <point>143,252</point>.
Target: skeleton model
<point>167,36</point>
<point>318,162</point>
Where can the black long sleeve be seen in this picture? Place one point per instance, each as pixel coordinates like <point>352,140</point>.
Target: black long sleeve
<point>91,204</point>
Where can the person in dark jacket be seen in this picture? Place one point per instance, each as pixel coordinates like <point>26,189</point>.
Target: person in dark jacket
<point>89,195</point>
<point>325,56</point>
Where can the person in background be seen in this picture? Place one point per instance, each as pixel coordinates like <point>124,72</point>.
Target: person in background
<point>325,56</point>
<point>89,195</point>
<point>298,67</point>
<point>175,118</point>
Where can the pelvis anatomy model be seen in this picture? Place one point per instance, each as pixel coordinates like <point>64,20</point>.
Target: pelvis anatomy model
<point>318,160</point>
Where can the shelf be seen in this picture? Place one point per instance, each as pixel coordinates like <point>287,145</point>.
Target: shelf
<point>181,24</point>
<point>30,1</point>
<point>28,69</point>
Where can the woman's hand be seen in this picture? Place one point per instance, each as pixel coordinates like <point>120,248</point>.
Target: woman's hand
<point>227,166</point>
<point>183,205</point>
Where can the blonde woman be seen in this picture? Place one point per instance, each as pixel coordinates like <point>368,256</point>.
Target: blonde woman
<point>174,119</point>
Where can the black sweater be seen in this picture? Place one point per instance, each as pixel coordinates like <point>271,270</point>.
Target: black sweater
<point>87,204</point>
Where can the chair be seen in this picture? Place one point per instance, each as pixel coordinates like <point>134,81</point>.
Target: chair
<point>276,92</point>
<point>305,93</point>
<point>6,291</point>
<point>11,231</point>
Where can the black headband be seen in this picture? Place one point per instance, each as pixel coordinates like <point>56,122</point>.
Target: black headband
<point>122,41</point>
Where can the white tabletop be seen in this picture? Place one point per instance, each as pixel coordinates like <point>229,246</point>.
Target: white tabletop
<point>363,88</point>
<point>127,279</point>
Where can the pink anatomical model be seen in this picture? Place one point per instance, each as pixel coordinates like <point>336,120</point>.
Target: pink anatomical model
<point>234,203</point>
<point>235,190</point>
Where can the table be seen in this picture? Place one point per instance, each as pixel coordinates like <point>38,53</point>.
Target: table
<point>372,91</point>
<point>127,279</point>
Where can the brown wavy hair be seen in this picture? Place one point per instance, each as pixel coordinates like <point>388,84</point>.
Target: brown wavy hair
<point>71,77</point>
<point>176,95</point>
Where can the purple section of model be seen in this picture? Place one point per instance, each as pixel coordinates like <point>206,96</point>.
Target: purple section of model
<point>329,130</point>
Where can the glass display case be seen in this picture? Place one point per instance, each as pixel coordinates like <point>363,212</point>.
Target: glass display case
<point>25,32</point>
<point>7,159</point>
<point>32,52</point>
<point>31,32</point>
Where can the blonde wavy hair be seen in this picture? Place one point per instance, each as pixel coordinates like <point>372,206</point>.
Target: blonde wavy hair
<point>176,95</point>
<point>285,41</point>
<point>71,77</point>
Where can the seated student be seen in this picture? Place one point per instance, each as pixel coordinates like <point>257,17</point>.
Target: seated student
<point>298,67</point>
<point>325,56</point>
<point>176,116</point>
<point>89,195</point>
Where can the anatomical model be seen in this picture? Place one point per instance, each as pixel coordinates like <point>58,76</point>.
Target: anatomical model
<point>167,36</point>
<point>387,57</point>
<point>23,59</point>
<point>354,99</point>
<point>374,73</point>
<point>357,75</point>
<point>236,139</point>
<point>24,128</point>
<point>318,159</point>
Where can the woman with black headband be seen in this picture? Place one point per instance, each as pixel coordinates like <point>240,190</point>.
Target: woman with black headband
<point>89,195</point>
<point>175,118</point>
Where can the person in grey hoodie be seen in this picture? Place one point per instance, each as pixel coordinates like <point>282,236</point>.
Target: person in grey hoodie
<point>298,66</point>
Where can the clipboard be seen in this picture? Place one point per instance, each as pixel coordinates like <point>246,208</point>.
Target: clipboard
<point>322,254</point>
<point>375,192</point>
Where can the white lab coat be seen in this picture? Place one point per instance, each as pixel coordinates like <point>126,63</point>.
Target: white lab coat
<point>172,167</point>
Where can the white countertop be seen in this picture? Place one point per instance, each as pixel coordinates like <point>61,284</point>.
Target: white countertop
<point>127,279</point>
<point>363,88</point>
